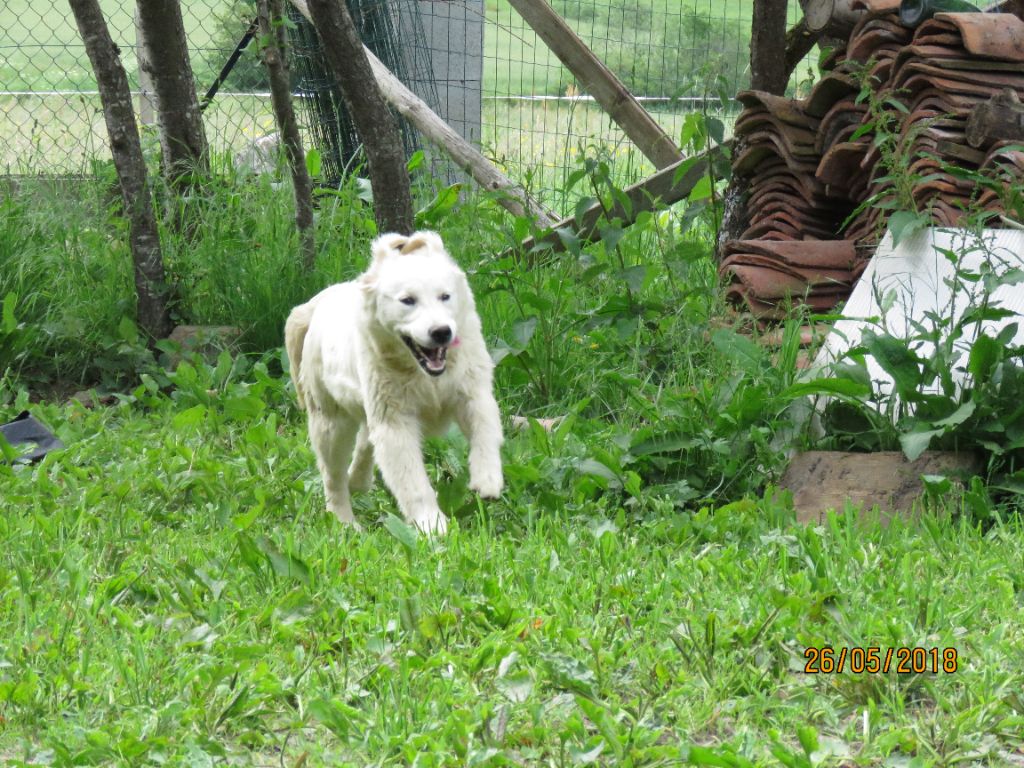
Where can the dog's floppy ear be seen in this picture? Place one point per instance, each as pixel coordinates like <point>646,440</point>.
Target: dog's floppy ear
<point>382,248</point>
<point>388,244</point>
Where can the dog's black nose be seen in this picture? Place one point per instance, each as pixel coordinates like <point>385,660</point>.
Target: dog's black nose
<point>441,335</point>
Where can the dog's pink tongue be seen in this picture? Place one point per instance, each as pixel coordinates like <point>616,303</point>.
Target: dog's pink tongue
<point>455,342</point>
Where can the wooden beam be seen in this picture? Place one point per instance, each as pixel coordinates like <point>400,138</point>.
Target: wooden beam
<point>663,188</point>
<point>600,82</point>
<point>513,197</point>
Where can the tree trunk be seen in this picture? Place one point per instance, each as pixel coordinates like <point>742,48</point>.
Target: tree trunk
<point>514,198</point>
<point>163,55</point>
<point>799,42</point>
<point>768,47</point>
<point>376,126</point>
<point>152,312</point>
<point>273,39</point>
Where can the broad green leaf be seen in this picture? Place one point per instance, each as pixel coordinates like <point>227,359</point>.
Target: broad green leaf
<point>702,189</point>
<point>600,717</point>
<point>364,190</point>
<point>898,361</point>
<point>416,160</point>
<point>516,687</point>
<point>570,674</point>
<point>405,534</point>
<point>611,235</point>
<point>586,756</point>
<point>741,349</point>
<point>716,129</point>
<point>717,758</point>
<point>126,330</point>
<point>243,407</point>
<point>808,738</point>
<point>337,716</point>
<point>904,224</point>
<point>985,354</point>
<point>916,443</point>
<point>570,240</point>
<point>284,563</point>
<point>190,417</point>
<point>670,443</point>
<point>314,162</point>
<point>7,451</point>
<point>636,277</point>
<point>839,387</point>
<point>958,417</point>
<point>523,331</point>
<point>442,204</point>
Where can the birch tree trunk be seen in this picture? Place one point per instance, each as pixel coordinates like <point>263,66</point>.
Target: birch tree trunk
<point>273,41</point>
<point>376,126</point>
<point>152,312</point>
<point>164,57</point>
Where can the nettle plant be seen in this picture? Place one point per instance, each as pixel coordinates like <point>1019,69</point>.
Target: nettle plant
<point>947,377</point>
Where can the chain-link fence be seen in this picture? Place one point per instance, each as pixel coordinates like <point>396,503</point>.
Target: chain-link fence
<point>493,79</point>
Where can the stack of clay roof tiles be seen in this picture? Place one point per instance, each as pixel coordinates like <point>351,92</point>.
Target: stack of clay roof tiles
<point>820,189</point>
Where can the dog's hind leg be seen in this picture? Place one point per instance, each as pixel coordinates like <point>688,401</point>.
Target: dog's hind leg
<point>295,329</point>
<point>333,440</point>
<point>360,472</point>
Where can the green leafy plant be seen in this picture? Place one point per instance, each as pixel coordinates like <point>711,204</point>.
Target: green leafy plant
<point>956,382</point>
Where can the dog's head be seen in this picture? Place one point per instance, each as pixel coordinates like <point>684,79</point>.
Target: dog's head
<point>417,294</point>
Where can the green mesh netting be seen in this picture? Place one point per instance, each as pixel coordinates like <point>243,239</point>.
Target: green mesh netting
<point>393,30</point>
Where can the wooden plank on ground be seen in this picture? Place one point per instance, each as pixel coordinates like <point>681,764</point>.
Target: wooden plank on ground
<point>663,188</point>
<point>600,82</point>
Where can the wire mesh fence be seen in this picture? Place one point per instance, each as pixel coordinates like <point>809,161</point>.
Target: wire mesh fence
<point>490,77</point>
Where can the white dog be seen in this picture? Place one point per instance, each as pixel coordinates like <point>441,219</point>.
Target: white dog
<point>385,360</point>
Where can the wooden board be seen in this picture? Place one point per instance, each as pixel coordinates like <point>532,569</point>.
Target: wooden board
<point>599,81</point>
<point>663,188</point>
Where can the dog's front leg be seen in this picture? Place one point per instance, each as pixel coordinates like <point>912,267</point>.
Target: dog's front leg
<point>398,451</point>
<point>480,422</point>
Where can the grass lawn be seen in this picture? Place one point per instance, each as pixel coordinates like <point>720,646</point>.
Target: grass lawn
<point>172,592</point>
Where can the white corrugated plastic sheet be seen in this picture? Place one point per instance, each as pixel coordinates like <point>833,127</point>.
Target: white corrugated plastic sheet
<point>904,284</point>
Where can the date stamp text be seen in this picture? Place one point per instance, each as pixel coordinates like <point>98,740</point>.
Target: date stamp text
<point>873,660</point>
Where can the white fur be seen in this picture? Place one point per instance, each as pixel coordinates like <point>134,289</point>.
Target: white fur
<point>368,398</point>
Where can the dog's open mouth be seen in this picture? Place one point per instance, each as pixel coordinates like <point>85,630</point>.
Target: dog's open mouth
<point>431,359</point>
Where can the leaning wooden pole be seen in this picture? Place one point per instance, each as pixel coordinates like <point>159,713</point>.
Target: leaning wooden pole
<point>512,197</point>
<point>664,188</point>
<point>600,82</point>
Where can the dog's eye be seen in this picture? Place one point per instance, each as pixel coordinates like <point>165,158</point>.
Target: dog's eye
<point>408,300</point>
<point>445,296</point>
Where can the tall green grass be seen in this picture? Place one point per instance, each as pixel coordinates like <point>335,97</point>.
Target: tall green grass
<point>625,331</point>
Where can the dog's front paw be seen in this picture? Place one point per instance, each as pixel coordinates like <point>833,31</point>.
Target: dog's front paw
<point>346,518</point>
<point>488,485</point>
<point>429,521</point>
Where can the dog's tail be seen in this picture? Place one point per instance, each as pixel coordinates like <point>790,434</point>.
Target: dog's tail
<point>295,328</point>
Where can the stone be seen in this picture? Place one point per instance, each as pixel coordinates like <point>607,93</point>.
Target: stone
<point>824,480</point>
